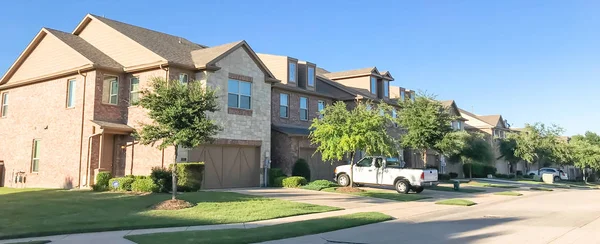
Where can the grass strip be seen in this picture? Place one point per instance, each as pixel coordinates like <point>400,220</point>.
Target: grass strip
<point>381,194</point>
<point>456,202</point>
<point>541,189</point>
<point>448,188</point>
<point>266,233</point>
<point>508,193</point>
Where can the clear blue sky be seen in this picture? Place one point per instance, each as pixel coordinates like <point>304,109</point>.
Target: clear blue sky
<point>527,60</point>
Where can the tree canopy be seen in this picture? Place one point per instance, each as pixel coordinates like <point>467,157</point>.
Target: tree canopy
<point>536,143</point>
<point>426,122</point>
<point>586,150</point>
<point>179,114</point>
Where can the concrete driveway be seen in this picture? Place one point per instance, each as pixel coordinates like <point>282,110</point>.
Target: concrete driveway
<point>563,216</point>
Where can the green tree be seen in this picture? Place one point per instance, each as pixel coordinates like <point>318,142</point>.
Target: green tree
<point>464,147</point>
<point>506,148</point>
<point>586,151</point>
<point>341,132</point>
<point>535,143</point>
<point>426,122</point>
<point>179,114</point>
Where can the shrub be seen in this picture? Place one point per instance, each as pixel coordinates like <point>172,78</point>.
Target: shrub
<point>528,176</point>
<point>479,170</point>
<point>301,168</point>
<point>519,173</point>
<point>278,182</point>
<point>144,185</point>
<point>102,181</point>
<point>443,177</point>
<point>162,178</point>
<point>189,176</point>
<point>124,183</point>
<point>453,175</point>
<point>274,173</point>
<point>318,185</point>
<point>294,181</point>
<point>501,176</point>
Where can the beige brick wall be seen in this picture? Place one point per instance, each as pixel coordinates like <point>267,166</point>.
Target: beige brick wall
<point>39,112</point>
<point>241,127</point>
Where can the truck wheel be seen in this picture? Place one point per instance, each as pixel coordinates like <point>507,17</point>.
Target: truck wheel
<point>343,180</point>
<point>402,186</point>
<point>418,189</point>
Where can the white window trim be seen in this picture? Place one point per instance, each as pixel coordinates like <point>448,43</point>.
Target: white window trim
<point>300,106</point>
<point>34,156</point>
<point>181,76</point>
<point>287,106</point>
<point>4,104</point>
<point>239,101</point>
<point>71,92</point>
<point>131,91</point>
<point>308,76</point>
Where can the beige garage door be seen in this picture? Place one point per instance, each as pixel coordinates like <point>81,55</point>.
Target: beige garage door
<point>319,170</point>
<point>228,166</point>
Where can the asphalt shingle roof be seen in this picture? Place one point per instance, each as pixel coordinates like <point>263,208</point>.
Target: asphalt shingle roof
<point>363,71</point>
<point>204,56</point>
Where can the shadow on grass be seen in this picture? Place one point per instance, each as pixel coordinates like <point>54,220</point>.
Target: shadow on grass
<point>36,212</point>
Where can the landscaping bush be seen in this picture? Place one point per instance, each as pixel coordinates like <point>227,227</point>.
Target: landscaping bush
<point>318,185</point>
<point>294,181</point>
<point>144,185</point>
<point>501,176</point>
<point>528,176</point>
<point>162,178</point>
<point>124,183</point>
<point>102,181</point>
<point>453,175</point>
<point>301,168</point>
<point>189,176</point>
<point>519,173</point>
<point>479,170</point>
<point>443,177</point>
<point>278,182</point>
<point>274,173</point>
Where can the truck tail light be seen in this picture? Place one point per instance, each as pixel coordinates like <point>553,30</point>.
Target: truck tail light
<point>422,175</point>
<point>335,171</point>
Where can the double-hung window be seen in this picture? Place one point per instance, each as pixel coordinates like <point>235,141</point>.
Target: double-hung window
<point>35,156</point>
<point>239,94</point>
<point>303,108</point>
<point>394,116</point>
<point>111,90</point>
<point>4,107</point>
<point>311,76</point>
<point>373,85</point>
<point>292,72</point>
<point>386,88</point>
<point>284,105</point>
<point>320,107</point>
<point>183,78</point>
<point>134,93</point>
<point>71,93</point>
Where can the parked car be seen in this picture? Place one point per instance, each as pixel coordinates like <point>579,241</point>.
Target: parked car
<point>558,173</point>
<point>380,170</point>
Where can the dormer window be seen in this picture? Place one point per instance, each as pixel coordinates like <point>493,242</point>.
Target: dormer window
<point>311,76</point>
<point>374,85</point>
<point>292,72</point>
<point>386,88</point>
<point>402,95</point>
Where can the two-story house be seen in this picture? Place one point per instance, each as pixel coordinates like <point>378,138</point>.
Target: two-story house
<point>296,102</point>
<point>493,127</point>
<point>67,106</point>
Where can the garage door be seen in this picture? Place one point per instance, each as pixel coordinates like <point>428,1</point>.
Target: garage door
<point>319,170</point>
<point>228,166</point>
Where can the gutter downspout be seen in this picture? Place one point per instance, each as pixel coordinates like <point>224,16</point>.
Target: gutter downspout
<point>166,72</point>
<point>89,161</point>
<point>82,122</point>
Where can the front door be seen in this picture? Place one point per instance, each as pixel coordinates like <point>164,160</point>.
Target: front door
<point>365,170</point>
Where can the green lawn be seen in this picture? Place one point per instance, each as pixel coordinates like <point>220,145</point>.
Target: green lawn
<point>508,193</point>
<point>484,184</point>
<point>31,242</point>
<point>261,234</point>
<point>541,189</point>
<point>457,202</point>
<point>450,188</point>
<point>382,194</point>
<point>38,212</point>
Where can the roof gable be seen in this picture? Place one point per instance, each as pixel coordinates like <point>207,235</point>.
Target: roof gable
<point>353,73</point>
<point>49,53</point>
<point>208,57</point>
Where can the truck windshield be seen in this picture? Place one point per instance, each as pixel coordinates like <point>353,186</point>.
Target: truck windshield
<point>393,163</point>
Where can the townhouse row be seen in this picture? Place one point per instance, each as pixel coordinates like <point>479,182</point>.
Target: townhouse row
<point>67,114</point>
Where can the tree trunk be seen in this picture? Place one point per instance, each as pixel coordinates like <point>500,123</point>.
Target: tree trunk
<point>352,169</point>
<point>424,159</point>
<point>470,171</point>
<point>174,174</point>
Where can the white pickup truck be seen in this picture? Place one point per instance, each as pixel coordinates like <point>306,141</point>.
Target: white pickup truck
<point>387,171</point>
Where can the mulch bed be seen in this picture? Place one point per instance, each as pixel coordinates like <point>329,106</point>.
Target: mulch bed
<point>349,189</point>
<point>172,205</point>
